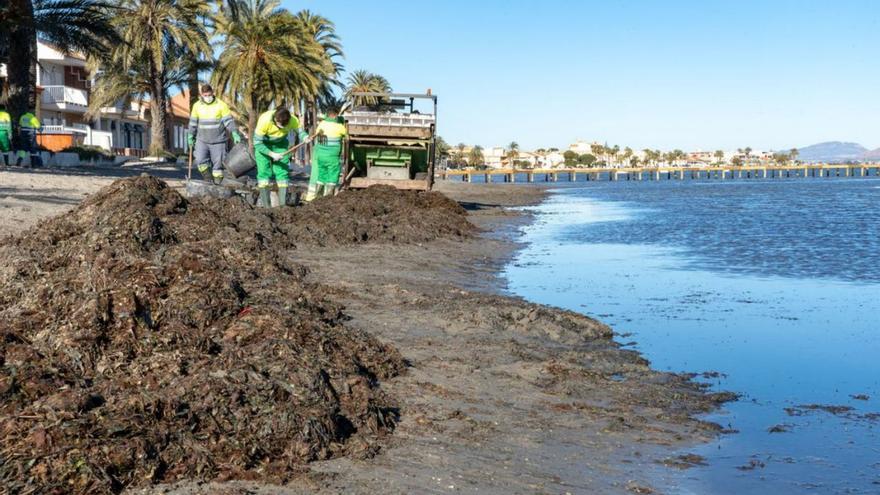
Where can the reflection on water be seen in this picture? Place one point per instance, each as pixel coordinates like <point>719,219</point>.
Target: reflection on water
<point>774,284</point>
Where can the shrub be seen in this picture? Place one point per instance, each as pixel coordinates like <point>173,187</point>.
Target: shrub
<point>89,153</point>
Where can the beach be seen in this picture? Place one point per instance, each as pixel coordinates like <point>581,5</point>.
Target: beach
<point>499,395</point>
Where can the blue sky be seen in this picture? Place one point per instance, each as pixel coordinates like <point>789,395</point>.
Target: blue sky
<point>686,74</point>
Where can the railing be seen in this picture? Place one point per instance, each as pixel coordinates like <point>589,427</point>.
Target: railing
<point>65,95</point>
<point>680,173</point>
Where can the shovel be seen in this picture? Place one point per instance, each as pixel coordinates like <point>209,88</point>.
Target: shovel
<point>189,166</point>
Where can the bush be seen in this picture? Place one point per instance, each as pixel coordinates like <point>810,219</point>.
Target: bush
<point>89,153</point>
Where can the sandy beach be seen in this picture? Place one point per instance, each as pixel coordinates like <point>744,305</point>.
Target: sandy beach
<point>500,395</point>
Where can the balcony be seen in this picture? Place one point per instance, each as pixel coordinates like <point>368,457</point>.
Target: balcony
<point>65,98</point>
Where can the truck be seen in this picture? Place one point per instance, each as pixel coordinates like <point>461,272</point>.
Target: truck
<point>391,141</point>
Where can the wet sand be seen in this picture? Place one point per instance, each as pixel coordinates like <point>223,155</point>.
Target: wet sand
<point>501,396</point>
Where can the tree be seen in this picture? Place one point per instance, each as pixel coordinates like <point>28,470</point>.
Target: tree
<point>512,152</point>
<point>475,157</point>
<point>156,35</point>
<point>586,160</point>
<point>793,154</point>
<point>737,161</point>
<point>627,154</point>
<point>361,81</point>
<point>597,149</point>
<point>719,156</point>
<point>323,32</point>
<point>271,57</point>
<point>442,147</point>
<point>70,25</point>
<point>781,158</point>
<point>570,157</point>
<point>748,152</point>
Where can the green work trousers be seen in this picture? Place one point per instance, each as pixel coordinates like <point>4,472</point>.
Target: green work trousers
<point>268,168</point>
<point>5,147</point>
<point>325,171</point>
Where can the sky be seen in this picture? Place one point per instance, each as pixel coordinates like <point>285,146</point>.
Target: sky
<point>688,74</point>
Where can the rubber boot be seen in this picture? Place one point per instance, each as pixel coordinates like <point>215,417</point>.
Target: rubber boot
<point>265,199</point>
<point>206,172</point>
<point>329,190</point>
<point>282,196</point>
<point>6,159</point>
<point>217,177</point>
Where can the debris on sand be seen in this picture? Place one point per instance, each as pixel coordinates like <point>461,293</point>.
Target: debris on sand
<point>685,461</point>
<point>864,397</point>
<point>830,409</point>
<point>147,339</point>
<point>377,214</point>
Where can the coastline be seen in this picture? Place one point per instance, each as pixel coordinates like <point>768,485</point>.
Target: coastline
<point>501,396</point>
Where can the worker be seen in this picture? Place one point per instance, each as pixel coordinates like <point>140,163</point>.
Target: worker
<point>28,127</point>
<point>209,121</point>
<point>270,150</point>
<point>5,133</point>
<point>326,156</point>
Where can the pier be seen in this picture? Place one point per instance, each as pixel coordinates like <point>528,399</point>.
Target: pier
<point>666,173</point>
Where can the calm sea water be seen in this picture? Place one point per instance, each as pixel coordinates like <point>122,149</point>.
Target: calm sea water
<point>774,284</point>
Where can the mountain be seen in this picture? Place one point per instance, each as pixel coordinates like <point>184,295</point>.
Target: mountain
<point>832,152</point>
<point>872,156</point>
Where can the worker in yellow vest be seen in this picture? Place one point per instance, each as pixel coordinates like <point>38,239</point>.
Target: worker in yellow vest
<point>209,121</point>
<point>28,127</point>
<point>326,156</point>
<point>5,134</point>
<point>270,151</point>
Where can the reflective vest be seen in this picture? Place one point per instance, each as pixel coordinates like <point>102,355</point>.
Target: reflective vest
<point>267,133</point>
<point>332,132</point>
<point>28,122</point>
<point>5,122</point>
<point>208,122</point>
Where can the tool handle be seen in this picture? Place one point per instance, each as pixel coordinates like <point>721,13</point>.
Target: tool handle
<point>189,166</point>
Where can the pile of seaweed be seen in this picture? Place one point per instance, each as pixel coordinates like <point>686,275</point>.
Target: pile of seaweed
<point>145,338</point>
<point>376,214</point>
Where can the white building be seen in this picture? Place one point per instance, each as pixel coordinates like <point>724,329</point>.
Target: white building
<point>63,88</point>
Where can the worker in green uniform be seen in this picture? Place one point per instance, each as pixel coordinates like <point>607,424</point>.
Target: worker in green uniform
<point>209,121</point>
<point>5,133</point>
<point>28,127</point>
<point>270,146</point>
<point>326,156</point>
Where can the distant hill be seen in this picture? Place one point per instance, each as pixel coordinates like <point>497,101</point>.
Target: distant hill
<point>872,156</point>
<point>832,152</point>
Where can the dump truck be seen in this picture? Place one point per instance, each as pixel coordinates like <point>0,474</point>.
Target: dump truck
<point>391,142</point>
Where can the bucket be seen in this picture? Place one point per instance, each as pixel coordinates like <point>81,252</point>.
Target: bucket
<point>240,160</point>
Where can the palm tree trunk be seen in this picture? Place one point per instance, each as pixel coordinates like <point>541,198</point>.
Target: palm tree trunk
<point>158,114</point>
<point>22,57</point>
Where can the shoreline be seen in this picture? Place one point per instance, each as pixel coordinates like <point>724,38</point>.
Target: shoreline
<point>502,395</point>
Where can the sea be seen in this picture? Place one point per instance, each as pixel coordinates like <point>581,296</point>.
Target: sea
<point>769,287</point>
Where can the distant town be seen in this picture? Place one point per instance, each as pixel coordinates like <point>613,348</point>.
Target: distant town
<point>584,154</point>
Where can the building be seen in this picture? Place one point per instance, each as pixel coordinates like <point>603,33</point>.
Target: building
<point>63,89</point>
<point>495,157</point>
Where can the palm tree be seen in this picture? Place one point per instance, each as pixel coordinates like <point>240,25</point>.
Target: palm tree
<point>157,36</point>
<point>120,80</point>
<point>747,151</point>
<point>475,157</point>
<point>627,154</point>
<point>719,155</point>
<point>512,152</point>
<point>269,56</point>
<point>362,81</point>
<point>793,154</point>
<point>323,32</point>
<point>70,25</point>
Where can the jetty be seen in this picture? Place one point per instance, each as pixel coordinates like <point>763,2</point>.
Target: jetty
<point>665,173</point>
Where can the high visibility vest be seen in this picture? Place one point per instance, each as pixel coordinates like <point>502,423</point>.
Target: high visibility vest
<point>28,122</point>
<point>210,121</point>
<point>268,133</point>
<point>332,131</point>
<point>5,122</point>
